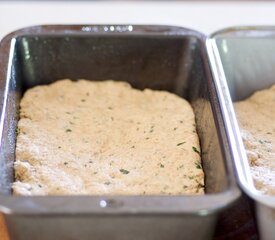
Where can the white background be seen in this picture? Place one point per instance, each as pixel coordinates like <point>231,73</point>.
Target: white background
<point>203,16</point>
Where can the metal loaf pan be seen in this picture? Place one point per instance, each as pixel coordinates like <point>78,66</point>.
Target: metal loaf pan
<point>157,57</point>
<point>243,61</point>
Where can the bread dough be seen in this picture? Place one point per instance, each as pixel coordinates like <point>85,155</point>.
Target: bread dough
<point>256,116</point>
<point>105,137</point>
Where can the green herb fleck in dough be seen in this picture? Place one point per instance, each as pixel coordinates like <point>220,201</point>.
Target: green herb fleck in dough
<point>198,165</point>
<point>65,163</point>
<point>124,171</point>
<point>180,143</point>
<point>200,185</point>
<point>161,165</point>
<point>196,150</point>
<point>107,183</point>
<point>68,130</point>
<point>179,167</point>
<point>83,100</point>
<point>17,130</point>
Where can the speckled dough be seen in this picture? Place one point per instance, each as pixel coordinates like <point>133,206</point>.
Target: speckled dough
<point>88,137</point>
<point>256,117</point>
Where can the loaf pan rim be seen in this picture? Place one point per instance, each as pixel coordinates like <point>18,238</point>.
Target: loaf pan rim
<point>238,32</point>
<point>12,204</point>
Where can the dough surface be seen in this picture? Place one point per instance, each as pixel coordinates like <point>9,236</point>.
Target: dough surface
<point>105,137</point>
<point>256,116</point>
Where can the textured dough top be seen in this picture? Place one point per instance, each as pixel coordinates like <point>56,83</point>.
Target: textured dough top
<point>256,116</point>
<point>89,137</point>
